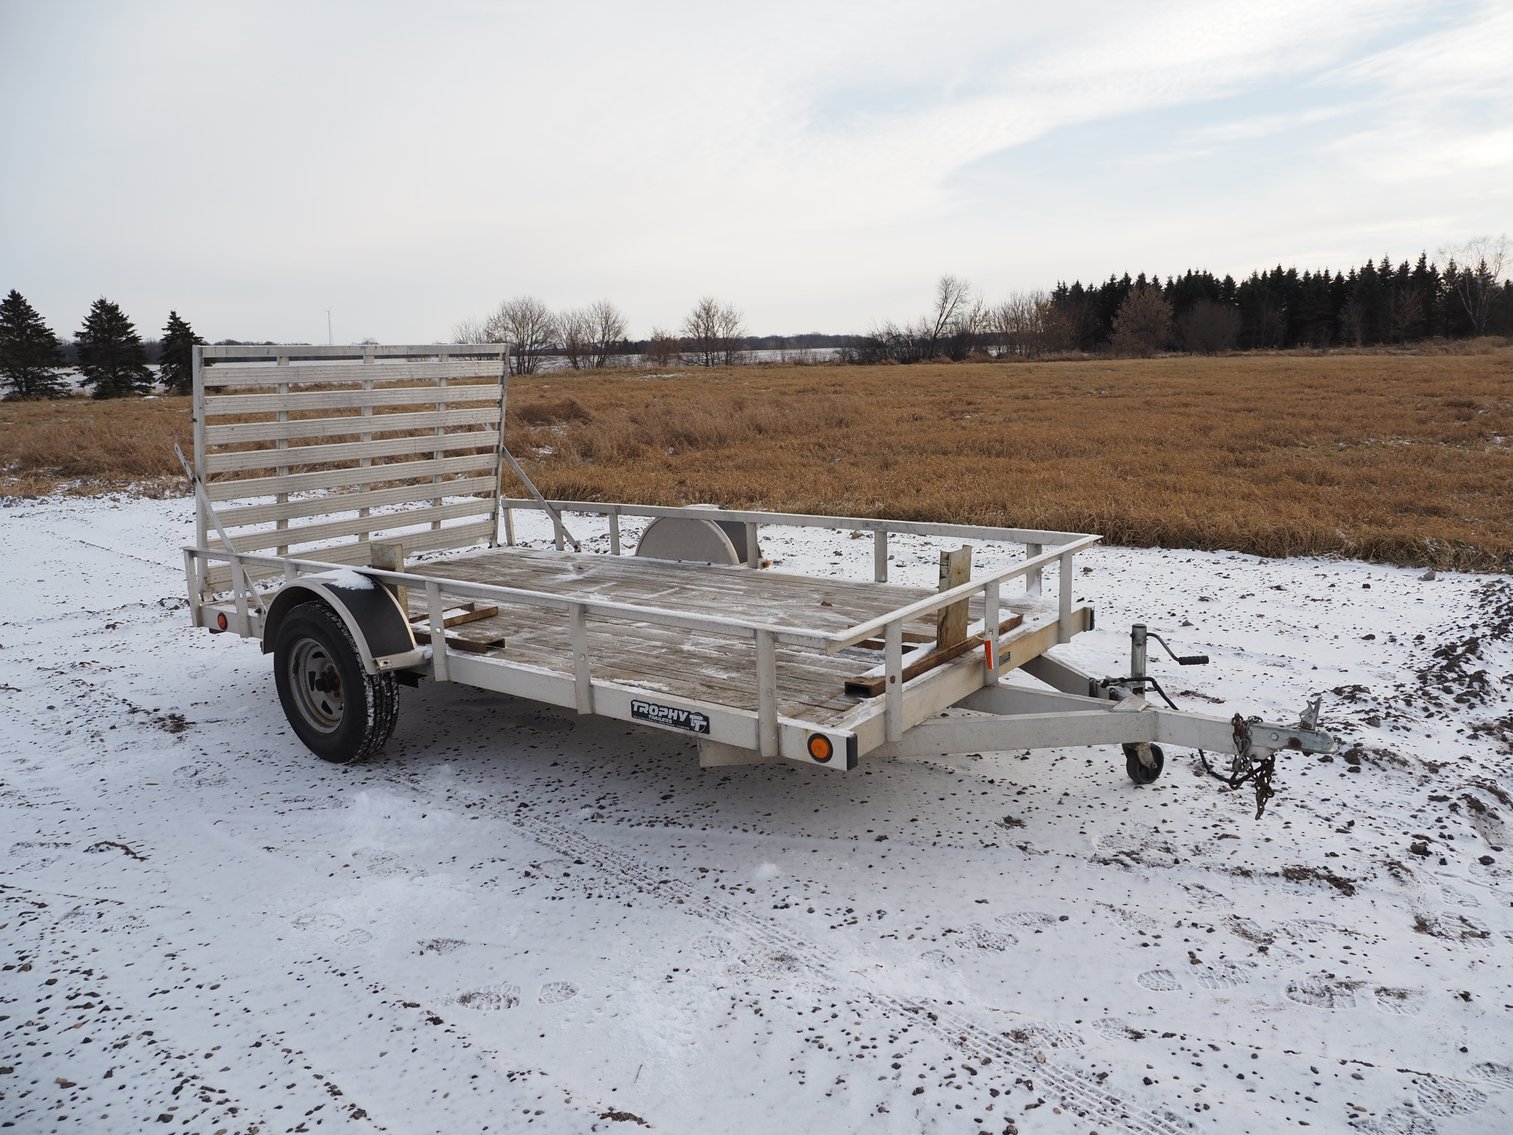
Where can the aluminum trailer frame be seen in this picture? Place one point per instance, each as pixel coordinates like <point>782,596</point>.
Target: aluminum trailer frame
<point>302,521</point>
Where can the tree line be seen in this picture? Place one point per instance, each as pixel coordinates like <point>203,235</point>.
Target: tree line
<point>1372,305</point>
<point>109,354</point>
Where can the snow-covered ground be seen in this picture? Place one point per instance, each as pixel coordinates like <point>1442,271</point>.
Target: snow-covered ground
<point>517,919</point>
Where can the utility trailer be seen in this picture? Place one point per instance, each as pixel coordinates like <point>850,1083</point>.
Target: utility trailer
<point>351,518</point>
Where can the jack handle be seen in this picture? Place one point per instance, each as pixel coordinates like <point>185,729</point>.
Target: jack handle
<point>1180,659</point>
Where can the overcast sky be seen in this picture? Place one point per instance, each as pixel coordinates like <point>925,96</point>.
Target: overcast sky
<point>818,165</point>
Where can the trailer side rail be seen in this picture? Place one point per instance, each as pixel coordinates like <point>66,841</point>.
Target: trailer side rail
<point>766,731</point>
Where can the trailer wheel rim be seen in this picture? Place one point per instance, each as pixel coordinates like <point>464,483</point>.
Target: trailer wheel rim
<point>316,683</point>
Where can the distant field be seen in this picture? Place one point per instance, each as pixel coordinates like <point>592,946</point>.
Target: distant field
<point>1398,458</point>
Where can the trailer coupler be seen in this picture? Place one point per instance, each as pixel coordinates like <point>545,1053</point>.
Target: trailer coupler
<point>1256,746</point>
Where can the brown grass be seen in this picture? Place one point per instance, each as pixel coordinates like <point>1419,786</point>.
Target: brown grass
<point>1399,458</point>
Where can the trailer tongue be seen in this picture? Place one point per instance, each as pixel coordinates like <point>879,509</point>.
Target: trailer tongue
<point>354,499</point>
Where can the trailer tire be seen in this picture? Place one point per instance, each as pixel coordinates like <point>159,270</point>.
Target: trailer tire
<point>341,712</point>
<point>1138,771</point>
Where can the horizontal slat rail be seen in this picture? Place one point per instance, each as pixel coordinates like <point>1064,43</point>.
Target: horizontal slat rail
<point>351,502</point>
<point>411,431</point>
<point>225,462</point>
<point>292,351</point>
<point>349,399</point>
<point>243,432</point>
<point>218,578</point>
<point>358,526</point>
<point>805,520</point>
<point>343,478</point>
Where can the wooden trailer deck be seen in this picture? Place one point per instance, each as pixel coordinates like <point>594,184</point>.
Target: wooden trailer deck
<point>688,664</point>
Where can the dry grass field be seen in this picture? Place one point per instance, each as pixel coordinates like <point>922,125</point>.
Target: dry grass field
<point>1401,458</point>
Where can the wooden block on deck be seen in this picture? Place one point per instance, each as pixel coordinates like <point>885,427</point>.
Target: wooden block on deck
<point>390,557</point>
<point>457,616</point>
<point>872,685</point>
<point>951,623</point>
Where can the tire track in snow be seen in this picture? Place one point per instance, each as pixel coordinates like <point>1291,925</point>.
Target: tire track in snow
<point>956,1030</point>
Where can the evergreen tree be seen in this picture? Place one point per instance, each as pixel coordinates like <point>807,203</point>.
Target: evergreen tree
<point>30,354</point>
<point>176,361</point>
<point>1143,324</point>
<point>111,355</point>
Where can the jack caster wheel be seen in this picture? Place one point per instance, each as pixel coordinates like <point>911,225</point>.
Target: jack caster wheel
<point>1138,771</point>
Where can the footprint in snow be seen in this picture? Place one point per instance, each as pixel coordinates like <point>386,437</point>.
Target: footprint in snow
<point>441,945</point>
<point>1132,918</point>
<point>491,998</point>
<point>1403,1002</point>
<point>494,998</point>
<point>357,936</point>
<point>1459,898</point>
<point>1395,1121</point>
<point>770,964</point>
<point>384,864</point>
<point>556,992</point>
<point>196,776</point>
<point>938,959</point>
<point>1445,1096</point>
<point>712,946</point>
<point>1323,993</point>
<point>32,855</point>
<point>1310,929</point>
<point>317,920</point>
<point>1498,1075</point>
<point>1223,975</point>
<point>1159,980</point>
<point>1115,1029</point>
<point>982,938</point>
<point>1033,920</point>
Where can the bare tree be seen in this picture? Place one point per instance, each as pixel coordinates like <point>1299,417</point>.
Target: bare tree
<point>606,330</point>
<point>470,331</point>
<point>574,331</point>
<point>1474,273</point>
<point>527,326</point>
<point>1020,325</point>
<point>955,307</point>
<point>1143,324</point>
<point>661,347</point>
<point>712,332</point>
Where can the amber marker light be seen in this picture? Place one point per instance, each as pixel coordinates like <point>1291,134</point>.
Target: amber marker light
<point>820,747</point>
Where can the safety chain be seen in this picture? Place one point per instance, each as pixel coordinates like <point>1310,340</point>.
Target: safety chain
<point>1243,766</point>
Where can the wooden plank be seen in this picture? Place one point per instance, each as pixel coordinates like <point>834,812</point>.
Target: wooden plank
<point>951,622</point>
<point>337,453</point>
<point>344,399</point>
<point>346,426</point>
<point>470,612</point>
<point>327,504</point>
<point>352,351</point>
<point>392,523</point>
<point>870,686</point>
<point>323,479</point>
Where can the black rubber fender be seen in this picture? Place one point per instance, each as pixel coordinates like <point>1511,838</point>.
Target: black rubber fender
<point>370,611</point>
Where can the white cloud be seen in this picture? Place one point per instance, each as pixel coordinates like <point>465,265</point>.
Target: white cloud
<point>410,165</point>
